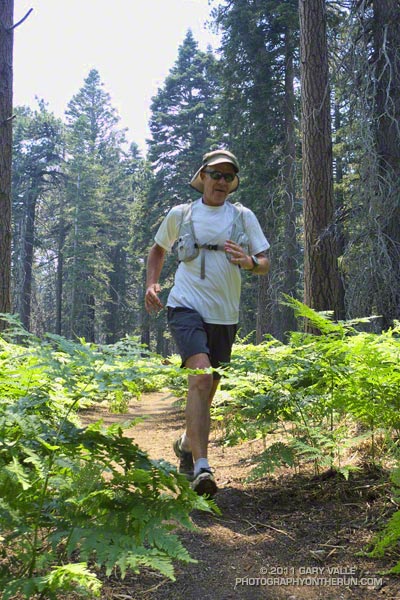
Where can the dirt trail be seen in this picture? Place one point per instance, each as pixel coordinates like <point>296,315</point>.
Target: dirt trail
<point>270,534</point>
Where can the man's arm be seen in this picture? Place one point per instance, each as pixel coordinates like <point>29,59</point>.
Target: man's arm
<point>155,263</point>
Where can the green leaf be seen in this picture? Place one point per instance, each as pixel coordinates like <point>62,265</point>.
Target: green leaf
<point>16,471</point>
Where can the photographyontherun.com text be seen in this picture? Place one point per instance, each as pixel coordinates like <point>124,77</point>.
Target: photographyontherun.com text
<point>305,576</point>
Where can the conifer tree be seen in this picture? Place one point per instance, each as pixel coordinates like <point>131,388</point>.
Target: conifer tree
<point>386,70</point>
<point>6,82</point>
<point>140,236</point>
<point>96,201</point>
<point>37,161</point>
<point>369,84</point>
<point>321,278</point>
<point>258,112</point>
<point>181,122</point>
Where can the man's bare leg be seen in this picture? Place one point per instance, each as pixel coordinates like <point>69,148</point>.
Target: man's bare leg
<point>197,407</point>
<point>201,388</point>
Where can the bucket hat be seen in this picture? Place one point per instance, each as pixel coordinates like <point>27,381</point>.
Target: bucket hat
<point>211,159</point>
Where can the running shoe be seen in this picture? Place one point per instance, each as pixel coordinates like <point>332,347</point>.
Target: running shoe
<point>204,483</point>
<point>186,465</point>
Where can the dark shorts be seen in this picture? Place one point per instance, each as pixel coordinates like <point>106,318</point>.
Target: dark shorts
<point>193,336</point>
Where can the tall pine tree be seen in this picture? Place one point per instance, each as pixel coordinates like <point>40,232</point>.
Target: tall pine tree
<point>6,82</point>
<point>37,160</point>
<point>368,83</point>
<point>258,113</point>
<point>321,277</point>
<point>182,120</point>
<point>97,208</point>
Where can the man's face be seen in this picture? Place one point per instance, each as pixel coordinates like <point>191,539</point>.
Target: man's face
<point>216,190</point>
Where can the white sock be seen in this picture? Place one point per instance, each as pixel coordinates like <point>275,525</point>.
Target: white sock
<point>201,463</point>
<point>185,444</point>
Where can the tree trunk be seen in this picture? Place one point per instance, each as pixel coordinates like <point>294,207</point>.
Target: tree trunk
<point>272,317</point>
<point>74,303</point>
<point>321,280</point>
<point>289,322</point>
<point>60,269</point>
<point>91,319</point>
<point>265,321</point>
<point>386,36</point>
<point>144,318</point>
<point>339,204</point>
<point>160,335</point>
<point>145,330</point>
<point>117,286</point>
<point>85,321</point>
<point>6,83</point>
<point>29,239</point>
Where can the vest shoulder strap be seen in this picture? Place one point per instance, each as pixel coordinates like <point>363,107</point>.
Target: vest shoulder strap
<point>186,218</point>
<point>186,213</point>
<point>239,209</point>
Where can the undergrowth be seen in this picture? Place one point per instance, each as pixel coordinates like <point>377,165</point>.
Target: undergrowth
<point>74,501</point>
<point>330,400</point>
<point>78,502</point>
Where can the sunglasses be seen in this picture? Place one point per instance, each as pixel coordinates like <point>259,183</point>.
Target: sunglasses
<point>217,175</point>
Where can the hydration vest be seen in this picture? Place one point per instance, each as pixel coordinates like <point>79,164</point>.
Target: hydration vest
<point>189,248</point>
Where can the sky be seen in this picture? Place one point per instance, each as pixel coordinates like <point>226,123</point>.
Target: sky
<point>133,44</point>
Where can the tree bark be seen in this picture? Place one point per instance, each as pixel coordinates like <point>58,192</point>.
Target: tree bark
<point>112,319</point>
<point>289,173</point>
<point>321,279</point>
<point>339,207</point>
<point>60,269</point>
<point>144,319</point>
<point>6,100</point>
<point>265,317</point>
<point>386,36</point>
<point>29,239</point>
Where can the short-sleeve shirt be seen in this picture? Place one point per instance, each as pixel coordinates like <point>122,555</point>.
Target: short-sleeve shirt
<point>217,296</point>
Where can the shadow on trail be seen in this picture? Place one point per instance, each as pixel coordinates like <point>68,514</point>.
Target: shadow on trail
<point>276,530</point>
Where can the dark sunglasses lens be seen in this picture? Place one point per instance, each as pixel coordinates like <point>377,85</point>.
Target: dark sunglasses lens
<point>229,177</point>
<point>217,175</point>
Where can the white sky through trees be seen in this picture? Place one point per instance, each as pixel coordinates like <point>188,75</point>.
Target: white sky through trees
<point>132,43</point>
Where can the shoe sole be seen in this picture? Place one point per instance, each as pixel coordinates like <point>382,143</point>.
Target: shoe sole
<point>205,487</point>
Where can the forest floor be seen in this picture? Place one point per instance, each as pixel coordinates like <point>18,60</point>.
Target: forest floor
<point>282,528</point>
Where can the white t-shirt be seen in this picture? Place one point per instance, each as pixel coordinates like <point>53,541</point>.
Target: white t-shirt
<point>217,296</point>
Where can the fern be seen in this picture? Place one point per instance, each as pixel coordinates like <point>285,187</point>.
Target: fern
<point>68,491</point>
<point>278,454</point>
<point>320,396</point>
<point>323,386</point>
<point>388,539</point>
<point>61,579</point>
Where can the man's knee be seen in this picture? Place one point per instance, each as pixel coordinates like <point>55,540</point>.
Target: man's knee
<point>201,383</point>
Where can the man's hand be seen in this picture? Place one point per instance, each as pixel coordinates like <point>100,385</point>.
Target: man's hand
<point>151,300</point>
<point>238,255</point>
<point>155,262</point>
